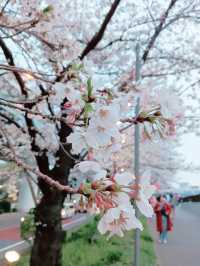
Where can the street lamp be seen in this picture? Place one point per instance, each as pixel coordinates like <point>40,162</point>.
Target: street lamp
<point>12,257</point>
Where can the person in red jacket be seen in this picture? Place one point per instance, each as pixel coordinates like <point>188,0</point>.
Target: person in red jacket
<point>163,220</point>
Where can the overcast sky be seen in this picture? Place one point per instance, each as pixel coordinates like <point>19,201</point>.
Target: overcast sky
<point>190,149</point>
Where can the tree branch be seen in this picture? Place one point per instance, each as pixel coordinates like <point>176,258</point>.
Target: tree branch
<point>52,118</point>
<point>41,158</point>
<point>99,35</point>
<point>10,60</point>
<point>158,30</point>
<point>4,7</point>
<point>27,167</point>
<point>17,70</point>
<point>11,121</point>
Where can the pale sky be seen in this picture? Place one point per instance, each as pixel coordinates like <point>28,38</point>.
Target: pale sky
<point>190,150</point>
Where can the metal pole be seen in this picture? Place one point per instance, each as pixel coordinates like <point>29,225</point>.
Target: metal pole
<point>136,158</point>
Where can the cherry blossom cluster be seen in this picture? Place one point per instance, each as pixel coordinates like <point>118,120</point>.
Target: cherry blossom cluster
<point>112,195</point>
<point>98,117</point>
<point>98,120</point>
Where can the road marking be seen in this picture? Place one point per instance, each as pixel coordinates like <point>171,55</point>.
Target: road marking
<point>12,246</point>
<point>22,242</point>
<point>73,222</point>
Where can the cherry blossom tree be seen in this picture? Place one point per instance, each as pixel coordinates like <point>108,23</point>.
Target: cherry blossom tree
<point>68,99</point>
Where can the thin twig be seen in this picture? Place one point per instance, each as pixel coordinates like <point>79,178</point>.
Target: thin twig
<point>27,167</point>
<point>33,75</point>
<point>158,30</point>
<point>27,110</point>
<point>4,7</point>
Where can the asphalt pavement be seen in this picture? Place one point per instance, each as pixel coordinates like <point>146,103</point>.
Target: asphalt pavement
<point>183,247</point>
<point>10,231</point>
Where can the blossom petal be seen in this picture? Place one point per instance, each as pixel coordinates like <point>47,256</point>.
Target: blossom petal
<point>124,178</point>
<point>144,207</point>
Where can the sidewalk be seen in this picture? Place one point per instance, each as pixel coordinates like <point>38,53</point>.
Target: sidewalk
<point>183,247</point>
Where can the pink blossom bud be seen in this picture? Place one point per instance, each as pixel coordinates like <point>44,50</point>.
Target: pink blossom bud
<point>67,105</point>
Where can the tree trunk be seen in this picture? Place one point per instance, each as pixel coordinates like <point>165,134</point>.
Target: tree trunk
<point>47,247</point>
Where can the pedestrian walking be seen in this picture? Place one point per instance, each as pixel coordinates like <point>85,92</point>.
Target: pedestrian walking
<point>174,203</point>
<point>163,218</point>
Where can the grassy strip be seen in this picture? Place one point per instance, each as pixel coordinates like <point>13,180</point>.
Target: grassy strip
<point>86,247</point>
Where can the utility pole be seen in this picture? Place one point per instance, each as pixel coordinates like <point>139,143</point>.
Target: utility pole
<point>137,156</point>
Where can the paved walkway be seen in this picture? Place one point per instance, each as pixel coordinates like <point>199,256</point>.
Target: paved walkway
<point>183,247</point>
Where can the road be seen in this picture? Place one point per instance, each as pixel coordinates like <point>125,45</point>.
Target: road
<point>9,229</point>
<point>10,233</point>
<point>183,247</point>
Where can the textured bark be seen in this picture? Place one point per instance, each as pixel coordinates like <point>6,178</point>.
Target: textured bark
<point>47,248</point>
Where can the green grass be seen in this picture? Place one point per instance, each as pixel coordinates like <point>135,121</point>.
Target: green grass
<point>86,247</point>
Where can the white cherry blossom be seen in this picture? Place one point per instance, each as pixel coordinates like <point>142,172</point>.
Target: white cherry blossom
<point>106,116</point>
<point>117,220</point>
<point>105,154</point>
<point>121,199</point>
<point>75,98</point>
<point>145,192</point>
<point>98,135</point>
<point>170,104</point>
<point>91,169</point>
<point>78,142</point>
